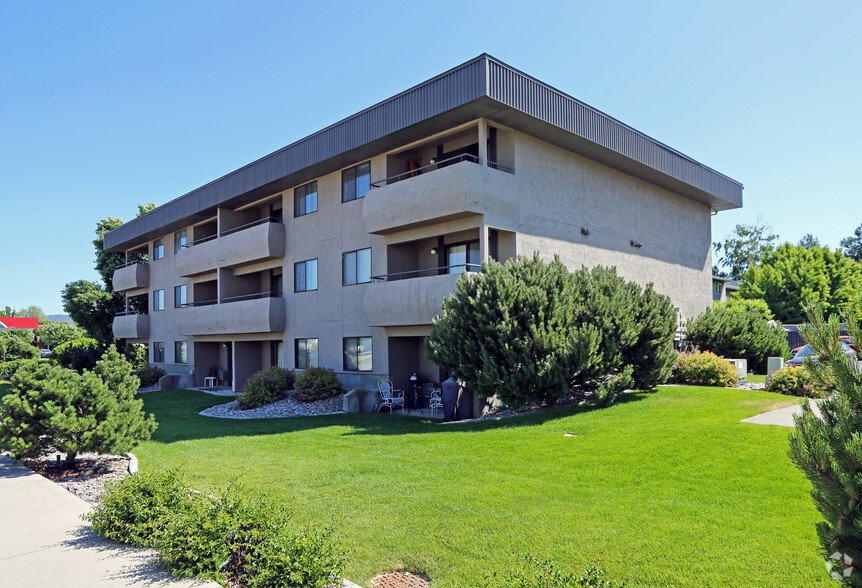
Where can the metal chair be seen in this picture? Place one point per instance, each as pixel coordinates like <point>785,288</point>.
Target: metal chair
<point>436,400</point>
<point>392,397</point>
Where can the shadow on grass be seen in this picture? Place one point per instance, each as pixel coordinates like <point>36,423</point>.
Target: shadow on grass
<point>177,414</point>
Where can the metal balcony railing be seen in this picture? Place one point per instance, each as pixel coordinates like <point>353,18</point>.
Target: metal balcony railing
<point>255,296</point>
<point>431,271</point>
<point>437,165</point>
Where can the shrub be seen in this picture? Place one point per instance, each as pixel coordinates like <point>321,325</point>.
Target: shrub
<point>703,369</point>
<point>149,375</point>
<point>270,385</point>
<point>317,383</point>
<point>135,509</point>
<point>236,538</point>
<point>138,356</point>
<point>740,329</point>
<point>10,367</point>
<point>80,355</point>
<point>17,345</point>
<point>51,408</point>
<point>544,573</point>
<point>795,381</point>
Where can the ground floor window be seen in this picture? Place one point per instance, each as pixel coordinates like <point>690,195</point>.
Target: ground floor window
<point>158,352</point>
<point>181,352</point>
<point>306,353</point>
<point>357,354</point>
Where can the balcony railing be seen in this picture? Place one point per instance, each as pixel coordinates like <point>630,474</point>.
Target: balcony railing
<point>260,221</point>
<point>143,261</point>
<point>431,271</point>
<point>198,241</point>
<point>131,312</point>
<point>199,303</point>
<point>255,296</point>
<point>438,165</point>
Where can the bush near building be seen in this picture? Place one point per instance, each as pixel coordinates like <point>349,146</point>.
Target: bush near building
<point>317,383</point>
<point>703,369</point>
<point>794,381</point>
<point>740,329</point>
<point>265,387</point>
<point>79,355</point>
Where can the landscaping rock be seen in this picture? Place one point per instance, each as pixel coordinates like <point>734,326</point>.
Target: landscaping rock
<point>289,407</point>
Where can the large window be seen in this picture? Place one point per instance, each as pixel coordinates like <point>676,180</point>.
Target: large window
<point>457,256</point>
<point>305,276</point>
<point>158,352</point>
<point>181,352</point>
<point>355,181</point>
<point>158,248</point>
<point>179,296</point>
<point>306,353</point>
<point>159,300</point>
<point>305,199</point>
<point>357,354</point>
<point>357,267</point>
<point>180,240</point>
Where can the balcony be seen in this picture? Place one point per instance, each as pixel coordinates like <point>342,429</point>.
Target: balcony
<point>132,276</point>
<point>252,313</point>
<point>407,301</point>
<point>439,194</point>
<point>257,241</point>
<point>131,326</point>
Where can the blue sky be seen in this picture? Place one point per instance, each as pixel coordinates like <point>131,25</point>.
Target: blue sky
<point>104,105</point>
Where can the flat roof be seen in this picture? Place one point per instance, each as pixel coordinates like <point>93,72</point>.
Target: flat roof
<point>483,87</point>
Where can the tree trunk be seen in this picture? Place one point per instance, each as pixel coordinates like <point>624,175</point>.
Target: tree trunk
<point>70,459</point>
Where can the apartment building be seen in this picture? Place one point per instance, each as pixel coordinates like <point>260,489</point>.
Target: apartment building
<point>339,249</point>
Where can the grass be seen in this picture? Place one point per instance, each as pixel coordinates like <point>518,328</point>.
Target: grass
<point>668,486</point>
<point>756,378</point>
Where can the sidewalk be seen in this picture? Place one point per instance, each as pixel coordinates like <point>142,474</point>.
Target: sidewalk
<point>45,544</point>
<point>782,417</point>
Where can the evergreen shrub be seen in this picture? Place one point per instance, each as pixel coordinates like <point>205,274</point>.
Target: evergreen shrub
<point>317,383</point>
<point>741,329</point>
<point>8,368</point>
<point>794,381</point>
<point>17,345</point>
<point>79,355</point>
<point>138,355</point>
<point>265,387</point>
<point>703,369</point>
<point>149,375</point>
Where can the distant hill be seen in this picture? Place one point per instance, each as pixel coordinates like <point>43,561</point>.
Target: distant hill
<point>61,317</point>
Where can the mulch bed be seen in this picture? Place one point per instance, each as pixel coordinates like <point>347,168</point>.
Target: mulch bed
<point>87,478</point>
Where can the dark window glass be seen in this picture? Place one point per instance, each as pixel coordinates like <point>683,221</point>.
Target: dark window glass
<point>158,352</point>
<point>159,300</point>
<point>276,354</point>
<point>355,181</point>
<point>305,276</point>
<point>305,199</point>
<point>179,296</point>
<point>356,267</point>
<point>180,240</point>
<point>158,248</point>
<point>181,352</point>
<point>357,354</point>
<point>457,256</point>
<point>306,353</point>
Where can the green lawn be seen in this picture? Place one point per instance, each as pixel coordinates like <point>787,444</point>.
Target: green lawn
<point>756,378</point>
<point>670,487</point>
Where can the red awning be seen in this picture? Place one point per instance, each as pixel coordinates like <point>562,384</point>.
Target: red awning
<point>18,322</point>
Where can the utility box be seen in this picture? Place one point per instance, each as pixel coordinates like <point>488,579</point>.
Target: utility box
<point>741,367</point>
<point>773,364</point>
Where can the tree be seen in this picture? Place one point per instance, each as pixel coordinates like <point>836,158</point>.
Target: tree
<point>743,249</point>
<point>34,312</point>
<point>56,409</point>
<point>92,308</point>
<point>808,241</point>
<point>56,333</point>
<point>827,448</point>
<point>741,329</point>
<point>17,345</point>
<point>107,262</point>
<point>791,276</point>
<point>853,245</point>
<point>8,312</point>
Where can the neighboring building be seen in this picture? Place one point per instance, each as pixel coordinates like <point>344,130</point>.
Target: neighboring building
<point>338,250</point>
<point>723,288</point>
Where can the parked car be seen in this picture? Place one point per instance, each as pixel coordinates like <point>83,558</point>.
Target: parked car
<point>806,351</point>
<point>43,353</point>
<point>849,340</point>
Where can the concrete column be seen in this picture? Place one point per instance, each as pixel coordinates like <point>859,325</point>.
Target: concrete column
<point>483,243</point>
<point>483,142</point>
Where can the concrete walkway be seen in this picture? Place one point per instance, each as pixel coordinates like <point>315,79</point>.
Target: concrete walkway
<point>782,417</point>
<point>45,544</point>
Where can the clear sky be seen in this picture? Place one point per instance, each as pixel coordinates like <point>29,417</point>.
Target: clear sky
<point>104,105</point>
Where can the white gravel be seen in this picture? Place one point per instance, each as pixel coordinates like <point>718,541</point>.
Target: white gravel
<point>289,407</point>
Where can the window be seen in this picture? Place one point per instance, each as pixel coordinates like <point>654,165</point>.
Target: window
<point>276,353</point>
<point>158,352</point>
<point>306,353</point>
<point>159,300</point>
<point>179,296</point>
<point>305,276</point>
<point>305,199</point>
<point>158,248</point>
<point>716,290</point>
<point>180,240</point>
<point>355,181</point>
<point>357,354</point>
<point>462,253</point>
<point>356,267</point>
<point>181,352</point>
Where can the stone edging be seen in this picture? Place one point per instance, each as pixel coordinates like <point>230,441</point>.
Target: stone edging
<point>133,463</point>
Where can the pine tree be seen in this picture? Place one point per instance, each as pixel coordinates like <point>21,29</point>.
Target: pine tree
<point>829,449</point>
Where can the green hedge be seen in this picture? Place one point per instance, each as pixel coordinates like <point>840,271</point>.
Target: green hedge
<point>704,369</point>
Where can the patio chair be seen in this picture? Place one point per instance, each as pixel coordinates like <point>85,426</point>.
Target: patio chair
<point>436,400</point>
<point>392,397</point>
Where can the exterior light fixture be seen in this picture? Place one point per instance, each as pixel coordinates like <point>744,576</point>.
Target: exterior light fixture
<point>585,231</point>
<point>635,243</point>
<point>433,251</point>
